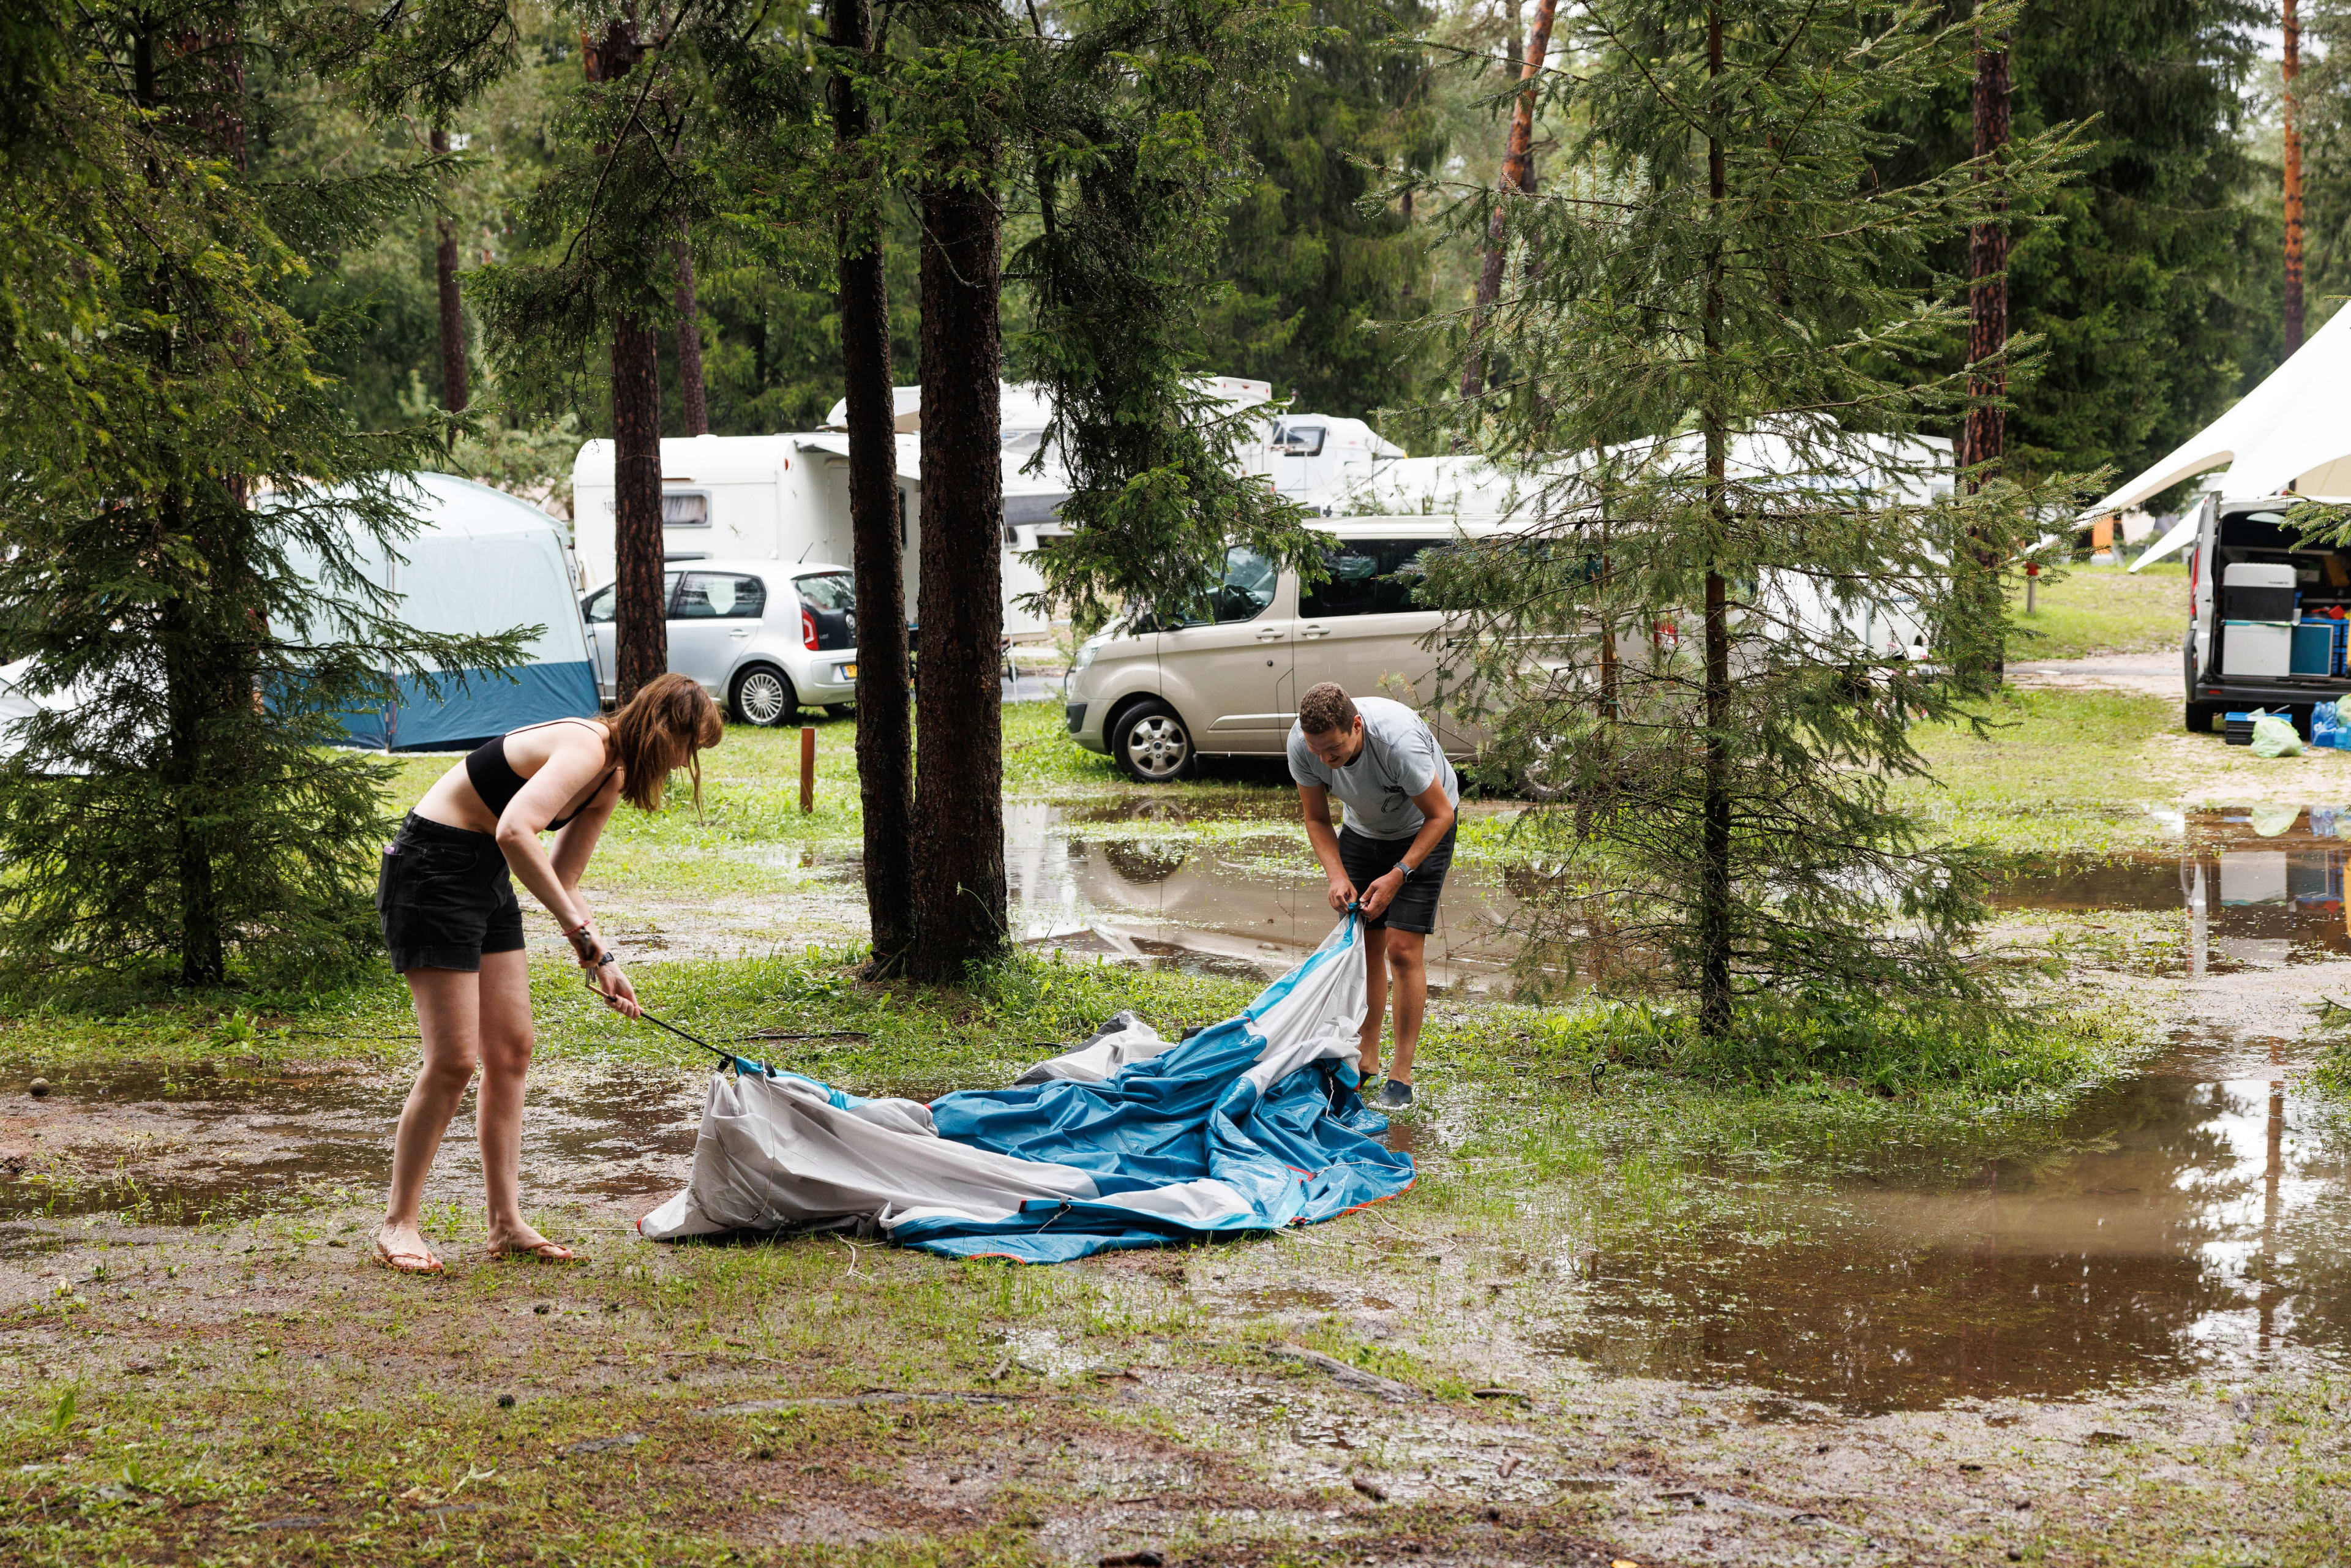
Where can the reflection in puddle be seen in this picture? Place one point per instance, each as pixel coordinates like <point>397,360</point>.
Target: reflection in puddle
<point>2256,889</point>
<point>1249,908</point>
<point>2198,1226</point>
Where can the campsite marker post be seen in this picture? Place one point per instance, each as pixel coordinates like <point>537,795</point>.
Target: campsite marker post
<point>807,769</point>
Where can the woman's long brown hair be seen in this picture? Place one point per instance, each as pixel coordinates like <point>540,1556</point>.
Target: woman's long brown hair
<point>663,726</point>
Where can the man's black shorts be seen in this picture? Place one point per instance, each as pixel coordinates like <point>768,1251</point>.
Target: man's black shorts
<point>445,898</point>
<point>1414,906</point>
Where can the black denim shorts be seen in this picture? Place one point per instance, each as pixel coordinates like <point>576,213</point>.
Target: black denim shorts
<point>445,898</point>
<point>1414,908</point>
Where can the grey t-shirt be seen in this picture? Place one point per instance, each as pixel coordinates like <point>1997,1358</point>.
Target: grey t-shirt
<point>1400,759</point>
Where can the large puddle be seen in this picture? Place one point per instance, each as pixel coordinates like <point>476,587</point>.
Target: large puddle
<point>2195,1220</point>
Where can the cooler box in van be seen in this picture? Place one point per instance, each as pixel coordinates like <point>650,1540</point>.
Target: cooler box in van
<point>2257,590</point>
<point>2313,647</point>
<point>2256,647</point>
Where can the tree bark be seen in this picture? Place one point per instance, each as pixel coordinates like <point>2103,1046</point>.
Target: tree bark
<point>2292,69</point>
<point>958,874</point>
<point>1518,174</point>
<point>640,614</point>
<point>454,393</point>
<point>1715,912</point>
<point>691,392</point>
<point>640,609</point>
<point>1983,438</point>
<point>884,732</point>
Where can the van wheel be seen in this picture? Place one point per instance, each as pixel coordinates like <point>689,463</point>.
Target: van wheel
<point>763,695</point>
<point>1152,744</point>
<point>2200,717</point>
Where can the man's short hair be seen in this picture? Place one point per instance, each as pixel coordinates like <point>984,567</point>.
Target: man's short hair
<point>1326,707</point>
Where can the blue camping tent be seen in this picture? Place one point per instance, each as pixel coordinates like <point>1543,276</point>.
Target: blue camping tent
<point>483,561</point>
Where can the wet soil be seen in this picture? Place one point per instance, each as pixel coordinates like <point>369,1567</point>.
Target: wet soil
<point>193,1144</point>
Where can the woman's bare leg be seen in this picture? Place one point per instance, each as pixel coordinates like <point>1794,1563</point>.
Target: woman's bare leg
<point>448,1015</point>
<point>507,1041</point>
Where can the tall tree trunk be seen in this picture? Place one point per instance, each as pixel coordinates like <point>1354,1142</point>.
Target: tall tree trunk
<point>884,733</point>
<point>691,392</point>
<point>1983,438</point>
<point>1715,935</point>
<point>454,393</point>
<point>641,609</point>
<point>960,914</point>
<point>1518,174</point>
<point>2292,69</point>
<point>640,615</point>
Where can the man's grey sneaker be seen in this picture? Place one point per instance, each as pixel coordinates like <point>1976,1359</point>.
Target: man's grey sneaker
<point>1393,1096</point>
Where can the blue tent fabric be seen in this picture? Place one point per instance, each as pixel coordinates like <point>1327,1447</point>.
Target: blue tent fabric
<point>490,702</point>
<point>1253,1125</point>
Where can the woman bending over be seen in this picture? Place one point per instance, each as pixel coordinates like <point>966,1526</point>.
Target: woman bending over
<point>454,928</point>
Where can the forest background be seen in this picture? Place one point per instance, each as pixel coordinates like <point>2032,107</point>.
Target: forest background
<point>2157,297</point>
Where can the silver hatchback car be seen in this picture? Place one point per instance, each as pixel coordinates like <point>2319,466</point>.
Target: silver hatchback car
<point>767,637</point>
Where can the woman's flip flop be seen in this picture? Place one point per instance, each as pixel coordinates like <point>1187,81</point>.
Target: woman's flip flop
<point>407,1262</point>
<point>545,1251</point>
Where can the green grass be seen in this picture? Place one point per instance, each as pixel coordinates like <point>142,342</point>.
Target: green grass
<point>2103,610</point>
<point>2052,773</point>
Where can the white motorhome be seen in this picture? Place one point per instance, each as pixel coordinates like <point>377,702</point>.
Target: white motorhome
<point>1313,457</point>
<point>764,498</point>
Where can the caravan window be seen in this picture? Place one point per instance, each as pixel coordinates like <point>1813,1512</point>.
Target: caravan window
<point>685,509</point>
<point>720,596</point>
<point>1368,577</point>
<point>1298,440</point>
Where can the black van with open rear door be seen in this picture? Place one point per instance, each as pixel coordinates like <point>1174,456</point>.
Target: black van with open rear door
<point>2254,534</point>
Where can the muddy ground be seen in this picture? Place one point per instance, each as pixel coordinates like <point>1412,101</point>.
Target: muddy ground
<point>1392,1387</point>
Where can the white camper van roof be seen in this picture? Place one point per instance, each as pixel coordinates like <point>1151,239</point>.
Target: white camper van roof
<point>698,460</point>
<point>1022,405</point>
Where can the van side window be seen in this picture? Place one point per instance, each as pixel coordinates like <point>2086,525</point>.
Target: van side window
<point>1368,577</point>
<point>602,605</point>
<point>1247,587</point>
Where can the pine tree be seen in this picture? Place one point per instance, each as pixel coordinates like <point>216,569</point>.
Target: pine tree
<point>1713,363</point>
<point>2153,287</point>
<point>1320,287</point>
<point>186,508</point>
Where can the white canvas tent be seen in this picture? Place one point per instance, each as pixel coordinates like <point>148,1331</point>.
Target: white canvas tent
<point>2292,433</point>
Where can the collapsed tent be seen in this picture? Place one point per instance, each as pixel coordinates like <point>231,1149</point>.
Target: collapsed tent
<point>1126,1141</point>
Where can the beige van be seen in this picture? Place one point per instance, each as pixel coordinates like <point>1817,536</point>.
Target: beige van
<point>1227,686</point>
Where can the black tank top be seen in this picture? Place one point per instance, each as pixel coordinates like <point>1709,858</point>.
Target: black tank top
<point>495,781</point>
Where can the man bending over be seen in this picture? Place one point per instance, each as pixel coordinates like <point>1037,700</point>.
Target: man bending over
<point>1386,766</point>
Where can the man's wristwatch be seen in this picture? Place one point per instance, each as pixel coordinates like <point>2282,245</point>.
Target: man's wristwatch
<point>1406,868</point>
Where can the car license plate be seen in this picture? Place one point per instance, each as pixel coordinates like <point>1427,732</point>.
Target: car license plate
<point>848,671</point>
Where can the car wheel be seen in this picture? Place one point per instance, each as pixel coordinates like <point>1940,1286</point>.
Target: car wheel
<point>1152,744</point>
<point>764,695</point>
<point>2200,715</point>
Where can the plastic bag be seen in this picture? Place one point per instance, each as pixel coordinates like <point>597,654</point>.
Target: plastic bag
<point>2275,737</point>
